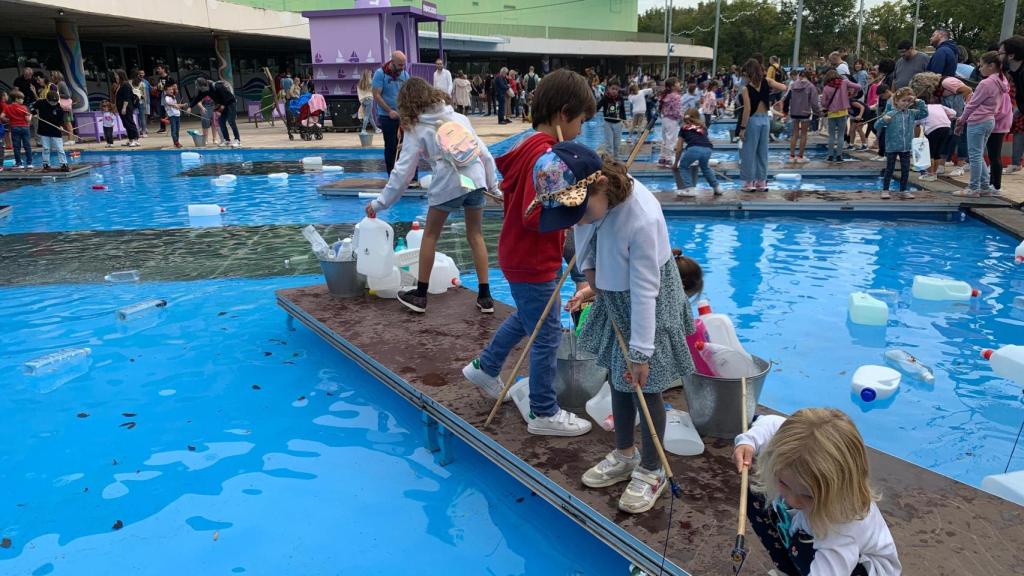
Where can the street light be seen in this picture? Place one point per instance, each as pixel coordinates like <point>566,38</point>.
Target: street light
<point>796,41</point>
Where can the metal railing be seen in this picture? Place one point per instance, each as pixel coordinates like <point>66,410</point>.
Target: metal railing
<point>553,32</point>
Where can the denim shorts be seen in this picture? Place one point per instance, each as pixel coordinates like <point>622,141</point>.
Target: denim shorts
<point>474,199</point>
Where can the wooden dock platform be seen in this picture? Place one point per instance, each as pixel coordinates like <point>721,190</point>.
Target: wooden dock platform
<point>39,175</point>
<point>942,527</point>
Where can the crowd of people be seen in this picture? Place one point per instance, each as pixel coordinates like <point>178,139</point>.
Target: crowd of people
<point>506,94</point>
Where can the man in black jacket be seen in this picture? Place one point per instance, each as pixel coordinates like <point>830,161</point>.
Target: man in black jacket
<point>224,98</point>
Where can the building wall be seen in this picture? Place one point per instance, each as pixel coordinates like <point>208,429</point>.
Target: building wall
<point>617,15</point>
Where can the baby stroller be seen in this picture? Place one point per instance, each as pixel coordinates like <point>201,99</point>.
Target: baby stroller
<point>305,115</point>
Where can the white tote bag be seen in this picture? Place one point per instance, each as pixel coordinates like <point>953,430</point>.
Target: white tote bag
<point>920,154</point>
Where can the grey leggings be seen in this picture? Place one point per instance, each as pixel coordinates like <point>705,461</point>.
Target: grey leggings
<point>624,409</point>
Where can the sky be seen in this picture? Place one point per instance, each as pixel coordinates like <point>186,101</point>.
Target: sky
<point>644,5</point>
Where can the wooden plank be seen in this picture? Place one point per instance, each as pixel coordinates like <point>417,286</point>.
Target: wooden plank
<point>941,526</point>
<point>38,174</point>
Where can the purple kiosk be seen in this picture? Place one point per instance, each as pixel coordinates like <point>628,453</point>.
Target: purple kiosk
<point>344,43</point>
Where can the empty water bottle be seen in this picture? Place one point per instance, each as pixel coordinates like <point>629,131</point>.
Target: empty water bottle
<point>140,308</point>
<point>247,164</point>
<point>55,361</point>
<point>320,247</point>
<point>289,261</point>
<point>123,276</point>
<point>909,364</point>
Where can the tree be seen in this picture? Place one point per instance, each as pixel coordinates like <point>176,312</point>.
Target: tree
<point>885,26</point>
<point>827,24</point>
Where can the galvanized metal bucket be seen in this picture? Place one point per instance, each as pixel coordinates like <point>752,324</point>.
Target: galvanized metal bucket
<point>366,140</point>
<point>198,138</point>
<point>714,403</point>
<point>342,279</point>
<point>577,375</point>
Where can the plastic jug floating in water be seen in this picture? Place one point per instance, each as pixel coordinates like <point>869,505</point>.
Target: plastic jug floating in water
<point>872,382</point>
<point>55,361</point>
<point>140,308</point>
<point>909,364</point>
<point>867,310</point>
<point>122,276</point>
<point>200,210</point>
<point>333,169</point>
<point>375,255</point>
<point>444,274</point>
<point>720,328</point>
<point>190,156</point>
<point>415,236</point>
<point>312,163</point>
<point>385,286</point>
<point>279,176</point>
<point>932,288</point>
<point>699,335</point>
<point>520,393</point>
<point>1018,254</point>
<point>681,437</point>
<point>1007,362</point>
<point>727,362</point>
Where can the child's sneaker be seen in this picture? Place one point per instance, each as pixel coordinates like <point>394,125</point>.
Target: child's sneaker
<point>940,170</point>
<point>1011,169</point>
<point>485,304</point>
<point>958,171</point>
<point>563,423</point>
<point>716,190</point>
<point>29,167</point>
<point>686,192</point>
<point>46,167</point>
<point>885,195</point>
<point>877,158</point>
<point>377,130</point>
<point>413,301</point>
<point>643,490</point>
<point>792,159</point>
<point>65,168</point>
<point>965,193</point>
<point>110,145</point>
<point>613,469</point>
<point>236,143</point>
<point>908,195</point>
<point>489,385</point>
<point>801,160</point>
<point>928,178</point>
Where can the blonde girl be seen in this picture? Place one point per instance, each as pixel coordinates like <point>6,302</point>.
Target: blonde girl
<point>811,504</point>
<point>364,91</point>
<point>425,114</point>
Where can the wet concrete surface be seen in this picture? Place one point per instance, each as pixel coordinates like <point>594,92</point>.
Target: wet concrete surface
<point>260,167</point>
<point>1009,219</point>
<point>941,526</point>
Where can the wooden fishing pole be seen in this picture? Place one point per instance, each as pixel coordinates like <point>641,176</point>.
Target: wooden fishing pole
<point>556,294</point>
<point>739,551</point>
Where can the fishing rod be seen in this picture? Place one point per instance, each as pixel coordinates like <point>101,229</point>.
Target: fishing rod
<point>739,550</point>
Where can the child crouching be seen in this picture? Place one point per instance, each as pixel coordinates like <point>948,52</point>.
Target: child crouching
<point>811,504</point>
<point>623,247</point>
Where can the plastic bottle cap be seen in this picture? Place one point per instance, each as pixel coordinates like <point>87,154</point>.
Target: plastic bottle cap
<point>986,353</point>
<point>223,209</point>
<point>455,282</point>
<point>975,293</point>
<point>699,345</point>
<point>868,394</point>
<point>703,307</point>
<point>415,225</point>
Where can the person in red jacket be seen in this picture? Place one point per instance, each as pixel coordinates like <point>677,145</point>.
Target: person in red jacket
<point>530,244</point>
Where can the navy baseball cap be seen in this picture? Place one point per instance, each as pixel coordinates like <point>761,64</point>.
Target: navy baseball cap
<point>561,177</point>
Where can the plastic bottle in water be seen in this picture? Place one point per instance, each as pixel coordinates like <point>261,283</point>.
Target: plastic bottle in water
<point>289,261</point>
<point>1018,254</point>
<point>1018,302</point>
<point>908,363</point>
<point>140,308</point>
<point>320,247</point>
<point>1007,362</point>
<point>55,361</point>
<point>123,276</point>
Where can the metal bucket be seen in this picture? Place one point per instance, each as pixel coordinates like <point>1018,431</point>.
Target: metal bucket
<point>198,138</point>
<point>366,140</point>
<point>342,279</point>
<point>714,403</point>
<point>577,375</point>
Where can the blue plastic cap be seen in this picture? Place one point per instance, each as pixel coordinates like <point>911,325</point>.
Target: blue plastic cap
<point>868,394</point>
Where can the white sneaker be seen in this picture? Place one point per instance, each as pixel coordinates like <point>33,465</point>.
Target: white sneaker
<point>716,191</point>
<point>1011,169</point>
<point>941,169</point>
<point>562,423</point>
<point>928,178</point>
<point>236,143</point>
<point>885,195</point>
<point>224,143</point>
<point>613,469</point>
<point>686,192</point>
<point>958,171</point>
<point>965,193</point>
<point>377,130</point>
<point>877,158</point>
<point>908,195</point>
<point>643,490</point>
<point>489,385</point>
<point>801,160</point>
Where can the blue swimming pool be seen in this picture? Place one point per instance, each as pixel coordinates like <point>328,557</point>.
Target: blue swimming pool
<point>668,183</point>
<point>785,282</point>
<point>220,440</point>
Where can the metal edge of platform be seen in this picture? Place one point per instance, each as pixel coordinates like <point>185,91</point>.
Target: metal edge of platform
<point>1018,234</point>
<point>5,210</point>
<point>17,176</point>
<point>605,530</point>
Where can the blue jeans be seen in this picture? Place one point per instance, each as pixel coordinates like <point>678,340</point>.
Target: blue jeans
<point>21,138</point>
<point>227,118</point>
<point>175,128</point>
<point>977,138</point>
<point>530,299</point>
<point>754,153</point>
<point>836,136</point>
<point>700,155</point>
<point>54,144</point>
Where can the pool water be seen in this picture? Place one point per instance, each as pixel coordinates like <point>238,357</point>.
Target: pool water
<point>785,282</point>
<point>222,440</point>
<point>668,183</point>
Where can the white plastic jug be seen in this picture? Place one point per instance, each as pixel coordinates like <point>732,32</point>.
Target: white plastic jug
<point>385,286</point>
<point>1007,362</point>
<point>333,168</point>
<point>444,274</point>
<point>415,236</point>
<point>197,210</point>
<point>425,181</point>
<point>312,163</point>
<point>681,437</point>
<point>190,156</point>
<point>872,382</point>
<point>375,250</point>
<point>520,393</point>
<point>788,177</point>
<point>727,362</point>
<point>932,288</point>
<point>599,408</point>
<point>720,328</point>
<point>277,176</point>
<point>867,310</point>
<point>1018,254</point>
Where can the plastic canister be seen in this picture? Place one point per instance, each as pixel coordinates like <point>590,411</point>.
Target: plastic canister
<point>933,288</point>
<point>867,310</point>
<point>277,176</point>
<point>599,408</point>
<point>312,163</point>
<point>520,393</point>
<point>444,274</point>
<point>788,176</point>
<point>425,181</point>
<point>1007,362</point>
<point>415,236</point>
<point>727,362</point>
<point>1018,254</point>
<point>872,382</point>
<point>375,255</point>
<point>333,168</point>
<point>385,286</point>
<point>681,438</point>
<point>190,156</point>
<point>700,335</point>
<point>719,328</point>
<point>197,210</point>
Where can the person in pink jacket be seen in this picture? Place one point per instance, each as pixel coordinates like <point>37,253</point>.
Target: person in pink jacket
<point>989,106</point>
<point>835,102</point>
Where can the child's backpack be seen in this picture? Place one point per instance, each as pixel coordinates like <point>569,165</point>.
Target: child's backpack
<point>458,145</point>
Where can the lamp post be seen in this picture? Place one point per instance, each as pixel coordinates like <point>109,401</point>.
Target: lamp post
<point>1009,13</point>
<point>668,38</point>
<point>714,54</point>
<point>860,27</point>
<point>796,40</point>
<point>917,22</point>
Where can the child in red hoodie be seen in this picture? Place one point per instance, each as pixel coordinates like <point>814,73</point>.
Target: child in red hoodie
<point>530,248</point>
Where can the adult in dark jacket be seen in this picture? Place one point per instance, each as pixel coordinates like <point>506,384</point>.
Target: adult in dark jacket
<point>500,89</point>
<point>223,97</point>
<point>51,117</point>
<point>1012,51</point>
<point>124,101</point>
<point>945,58</point>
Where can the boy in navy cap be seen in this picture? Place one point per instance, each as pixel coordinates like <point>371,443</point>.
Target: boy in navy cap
<point>545,190</point>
